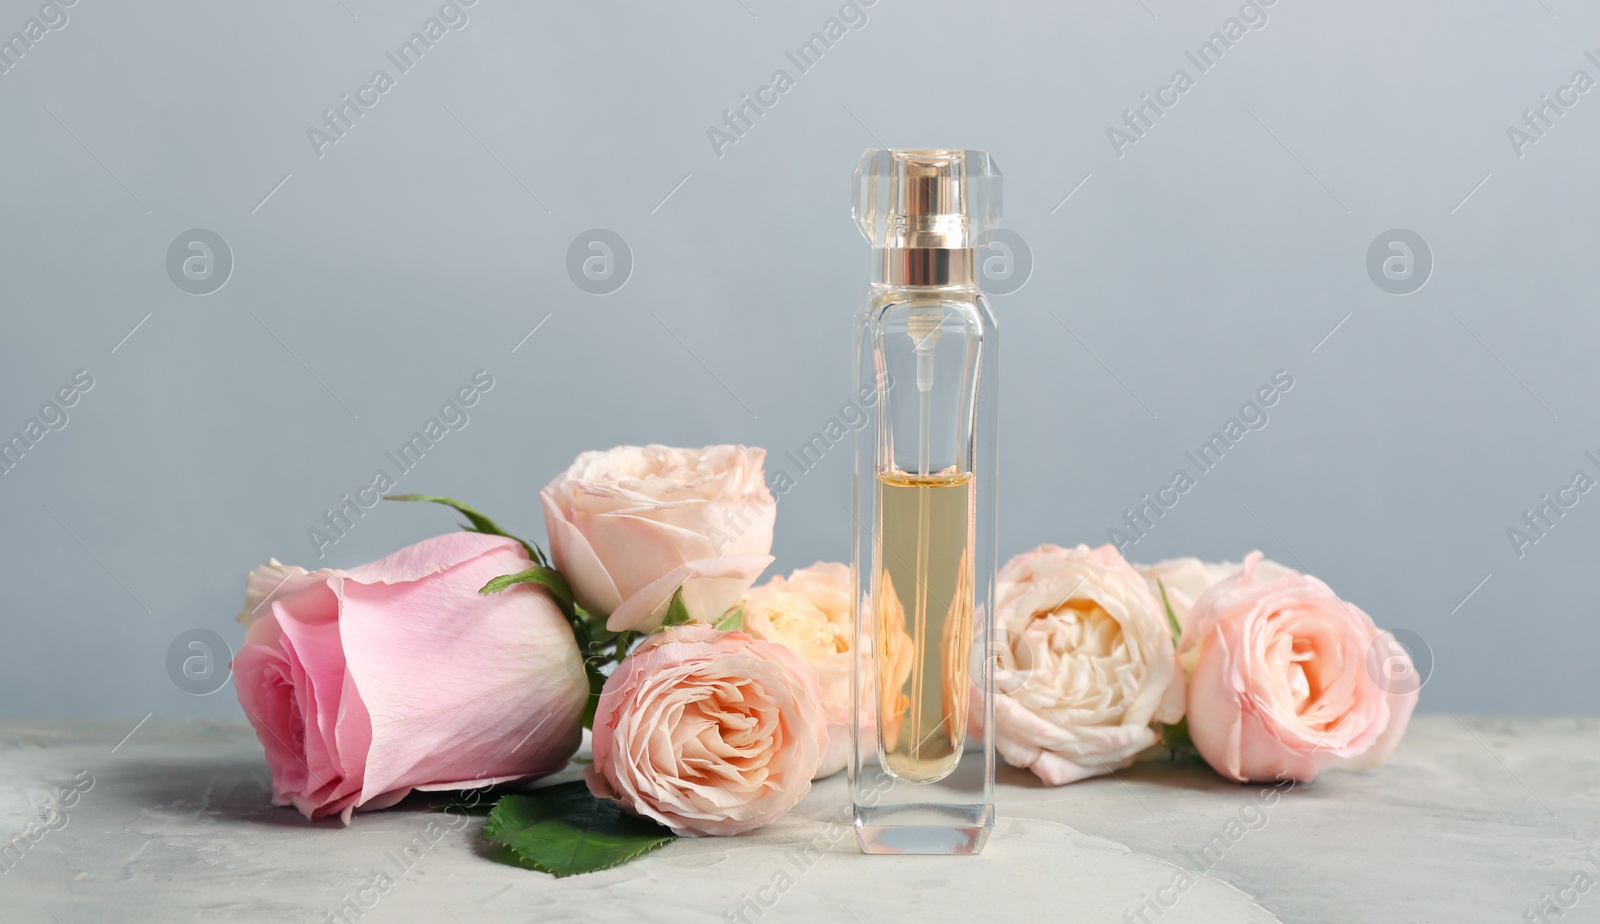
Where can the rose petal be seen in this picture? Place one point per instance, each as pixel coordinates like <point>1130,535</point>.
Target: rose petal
<point>710,588</point>
<point>433,688</point>
<point>576,560</point>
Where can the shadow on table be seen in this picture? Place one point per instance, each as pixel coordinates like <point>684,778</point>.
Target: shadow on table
<point>241,790</point>
<point>1190,774</point>
<point>236,790</point>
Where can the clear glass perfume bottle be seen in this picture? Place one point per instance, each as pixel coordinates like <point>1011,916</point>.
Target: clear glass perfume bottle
<point>922,767</point>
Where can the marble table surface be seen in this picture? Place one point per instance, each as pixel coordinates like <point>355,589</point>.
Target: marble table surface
<point>1474,820</point>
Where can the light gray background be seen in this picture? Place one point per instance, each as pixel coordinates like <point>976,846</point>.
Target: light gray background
<point>1172,283</point>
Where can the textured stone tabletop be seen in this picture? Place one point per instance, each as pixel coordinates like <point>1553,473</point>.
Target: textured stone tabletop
<point>1480,820</point>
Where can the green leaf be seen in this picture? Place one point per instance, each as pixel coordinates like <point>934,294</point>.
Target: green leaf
<point>564,830</point>
<point>465,807</point>
<point>598,646</point>
<point>1176,739</point>
<point>480,523</point>
<point>544,576</point>
<point>733,622</point>
<point>677,613</point>
<point>1177,630</point>
<point>597,683</point>
<point>595,626</point>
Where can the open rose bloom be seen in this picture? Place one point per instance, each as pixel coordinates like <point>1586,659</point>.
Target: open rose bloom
<point>1281,682</point>
<point>630,526</point>
<point>1085,663</point>
<point>707,732</point>
<point>809,613</point>
<point>366,684</point>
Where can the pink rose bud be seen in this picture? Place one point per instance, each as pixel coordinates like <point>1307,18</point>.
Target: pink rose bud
<point>366,684</point>
<point>708,732</point>
<point>1280,685</point>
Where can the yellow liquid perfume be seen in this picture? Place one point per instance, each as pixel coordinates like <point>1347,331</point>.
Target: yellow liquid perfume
<point>925,592</point>
<point>922,765</point>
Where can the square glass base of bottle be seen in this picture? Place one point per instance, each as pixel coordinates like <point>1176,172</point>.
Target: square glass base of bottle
<point>923,828</point>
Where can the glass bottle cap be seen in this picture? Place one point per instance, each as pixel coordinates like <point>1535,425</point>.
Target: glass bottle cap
<point>915,200</point>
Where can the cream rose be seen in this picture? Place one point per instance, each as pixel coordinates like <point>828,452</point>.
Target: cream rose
<point>707,732</point>
<point>630,526</point>
<point>809,613</point>
<point>1283,685</point>
<point>1187,579</point>
<point>1085,661</point>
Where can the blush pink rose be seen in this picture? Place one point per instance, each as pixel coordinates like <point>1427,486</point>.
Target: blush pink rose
<point>630,526</point>
<point>708,732</point>
<point>366,684</point>
<point>1280,686</point>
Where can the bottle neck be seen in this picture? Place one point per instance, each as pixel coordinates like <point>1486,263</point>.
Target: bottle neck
<point>925,267</point>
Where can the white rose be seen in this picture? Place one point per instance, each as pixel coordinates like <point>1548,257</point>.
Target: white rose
<point>630,526</point>
<point>1086,663</point>
<point>1187,579</point>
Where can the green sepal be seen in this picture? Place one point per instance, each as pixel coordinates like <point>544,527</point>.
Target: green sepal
<point>480,523</point>
<point>677,613</point>
<point>733,622</point>
<point>598,647</point>
<point>1175,738</point>
<point>544,576</point>
<point>564,830</point>
<point>1177,630</point>
<point>597,685</point>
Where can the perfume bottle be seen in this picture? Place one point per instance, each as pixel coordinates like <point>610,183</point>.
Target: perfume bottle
<point>922,764</point>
